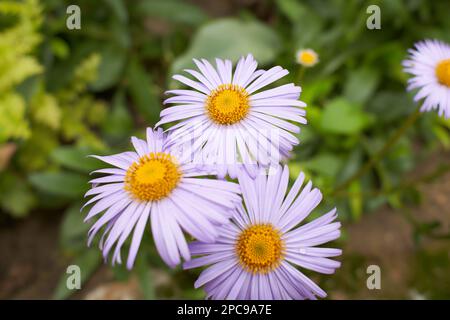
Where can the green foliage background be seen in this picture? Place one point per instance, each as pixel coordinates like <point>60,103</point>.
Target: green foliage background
<point>65,94</point>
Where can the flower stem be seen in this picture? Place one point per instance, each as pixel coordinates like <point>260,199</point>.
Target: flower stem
<point>379,155</point>
<point>300,73</point>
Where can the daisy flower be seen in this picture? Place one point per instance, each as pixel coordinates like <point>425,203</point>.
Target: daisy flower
<point>429,63</point>
<point>230,120</point>
<point>151,184</point>
<point>256,253</point>
<point>307,57</point>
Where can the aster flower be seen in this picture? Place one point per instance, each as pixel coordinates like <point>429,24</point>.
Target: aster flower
<point>307,57</point>
<point>429,63</point>
<point>151,184</point>
<point>229,120</point>
<point>256,254</point>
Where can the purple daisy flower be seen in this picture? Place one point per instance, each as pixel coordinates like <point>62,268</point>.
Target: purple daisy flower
<point>227,119</point>
<point>152,184</point>
<point>429,63</point>
<point>256,254</point>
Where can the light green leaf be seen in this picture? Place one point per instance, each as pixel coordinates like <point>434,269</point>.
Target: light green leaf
<point>320,88</point>
<point>356,200</point>
<point>12,120</point>
<point>325,163</point>
<point>342,117</point>
<point>231,39</point>
<point>361,84</point>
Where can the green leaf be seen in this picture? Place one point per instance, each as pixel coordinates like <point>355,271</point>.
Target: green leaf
<point>356,200</point>
<point>292,9</point>
<point>307,24</point>
<point>325,164</point>
<point>312,91</point>
<point>119,9</point>
<point>389,106</point>
<point>294,170</point>
<point>144,274</point>
<point>143,92</point>
<point>73,229</point>
<point>119,122</point>
<point>66,184</point>
<point>172,11</point>
<point>351,164</point>
<point>59,47</point>
<point>361,84</point>
<point>231,39</point>
<point>88,261</point>
<point>111,67</point>
<point>13,123</point>
<point>342,117</point>
<point>16,197</point>
<point>75,158</point>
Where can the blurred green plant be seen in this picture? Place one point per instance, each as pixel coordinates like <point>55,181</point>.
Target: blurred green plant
<point>36,120</point>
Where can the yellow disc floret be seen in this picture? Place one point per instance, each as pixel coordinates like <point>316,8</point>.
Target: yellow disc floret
<point>443,72</point>
<point>307,57</point>
<point>227,104</point>
<point>153,177</point>
<point>260,248</point>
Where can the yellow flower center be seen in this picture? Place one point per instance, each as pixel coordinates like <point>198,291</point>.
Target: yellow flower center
<point>260,248</point>
<point>227,104</point>
<point>153,177</point>
<point>443,72</point>
<point>307,57</point>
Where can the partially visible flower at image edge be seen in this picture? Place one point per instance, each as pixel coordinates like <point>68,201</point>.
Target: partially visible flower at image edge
<point>255,255</point>
<point>152,185</point>
<point>230,120</point>
<point>429,63</point>
<point>307,57</point>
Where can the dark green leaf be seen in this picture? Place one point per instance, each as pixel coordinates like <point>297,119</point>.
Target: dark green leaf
<point>213,41</point>
<point>66,184</point>
<point>173,11</point>
<point>119,122</point>
<point>119,9</point>
<point>73,233</point>
<point>16,196</point>
<point>75,158</point>
<point>111,67</point>
<point>143,92</point>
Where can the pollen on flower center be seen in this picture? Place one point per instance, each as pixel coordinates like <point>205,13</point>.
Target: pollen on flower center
<point>307,57</point>
<point>153,177</point>
<point>227,104</point>
<point>443,72</point>
<point>260,248</point>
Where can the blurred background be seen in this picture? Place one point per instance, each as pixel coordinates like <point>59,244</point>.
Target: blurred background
<point>68,93</point>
